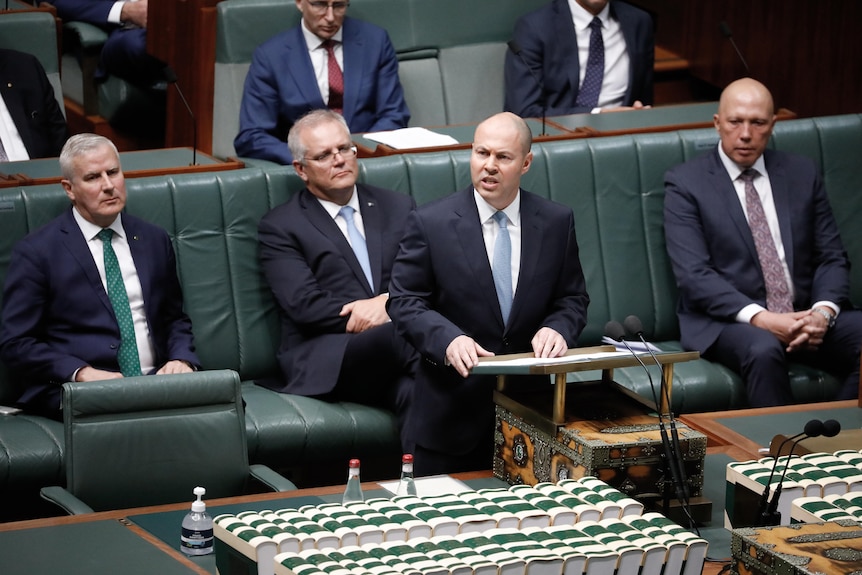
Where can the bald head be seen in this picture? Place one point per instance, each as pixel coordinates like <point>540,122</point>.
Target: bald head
<point>507,122</point>
<point>501,155</point>
<point>746,115</point>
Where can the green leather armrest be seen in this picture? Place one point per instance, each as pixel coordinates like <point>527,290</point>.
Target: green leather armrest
<point>65,500</point>
<point>89,37</point>
<point>271,479</point>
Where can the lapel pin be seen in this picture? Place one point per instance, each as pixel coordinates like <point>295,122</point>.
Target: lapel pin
<point>370,204</point>
<point>9,84</point>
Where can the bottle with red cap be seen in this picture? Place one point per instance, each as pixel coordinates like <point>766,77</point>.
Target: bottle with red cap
<point>353,491</point>
<point>406,486</point>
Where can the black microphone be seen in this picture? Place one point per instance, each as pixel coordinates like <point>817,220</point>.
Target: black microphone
<point>725,31</point>
<point>516,50</point>
<point>634,326</point>
<point>812,429</point>
<point>615,331</point>
<point>171,78</point>
<point>833,428</point>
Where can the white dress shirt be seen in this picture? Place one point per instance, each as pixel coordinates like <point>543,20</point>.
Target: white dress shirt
<point>332,209</point>
<point>490,229</point>
<point>616,79</point>
<point>320,59</point>
<point>12,142</point>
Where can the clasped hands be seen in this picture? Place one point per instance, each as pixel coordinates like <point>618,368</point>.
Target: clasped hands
<point>365,313</point>
<point>798,330</point>
<point>463,352</point>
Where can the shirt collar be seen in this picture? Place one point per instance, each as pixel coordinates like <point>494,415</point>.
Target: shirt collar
<point>582,17</point>
<point>734,170</point>
<point>91,230</point>
<point>487,211</point>
<point>314,41</point>
<point>332,208</point>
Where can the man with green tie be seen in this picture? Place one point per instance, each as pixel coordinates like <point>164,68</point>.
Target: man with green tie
<point>94,294</point>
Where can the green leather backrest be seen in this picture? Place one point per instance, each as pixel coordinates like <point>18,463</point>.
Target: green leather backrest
<point>151,440</point>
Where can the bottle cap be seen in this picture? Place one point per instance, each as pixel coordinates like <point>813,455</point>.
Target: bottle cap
<point>198,506</point>
<point>406,458</point>
<point>354,464</point>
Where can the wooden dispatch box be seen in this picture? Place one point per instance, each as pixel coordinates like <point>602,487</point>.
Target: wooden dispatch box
<point>831,548</point>
<point>608,432</point>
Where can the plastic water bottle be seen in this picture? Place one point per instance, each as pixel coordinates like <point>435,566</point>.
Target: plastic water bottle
<point>406,486</point>
<point>353,491</point>
<point>197,535</point>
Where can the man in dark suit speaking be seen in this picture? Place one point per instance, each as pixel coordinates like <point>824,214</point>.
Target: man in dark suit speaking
<point>93,294</point>
<point>762,273</point>
<point>492,269</point>
<point>327,255</point>
<point>37,128</point>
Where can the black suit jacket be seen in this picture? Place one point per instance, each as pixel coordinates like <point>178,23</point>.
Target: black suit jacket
<point>30,99</point>
<point>712,249</point>
<point>548,44</point>
<point>313,272</point>
<point>442,287</point>
<point>57,317</point>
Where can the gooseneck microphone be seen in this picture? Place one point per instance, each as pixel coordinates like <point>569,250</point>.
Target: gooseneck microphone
<point>615,331</point>
<point>516,50</point>
<point>634,326</point>
<point>829,428</point>
<point>812,429</point>
<point>725,31</point>
<point>171,78</point>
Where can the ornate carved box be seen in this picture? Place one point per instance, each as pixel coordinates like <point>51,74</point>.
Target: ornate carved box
<point>607,434</point>
<point>831,548</point>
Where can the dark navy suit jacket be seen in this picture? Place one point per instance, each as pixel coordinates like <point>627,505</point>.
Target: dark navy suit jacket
<point>280,87</point>
<point>313,272</point>
<point>30,99</point>
<point>442,287</point>
<point>548,43</point>
<point>57,316</point>
<point>712,249</point>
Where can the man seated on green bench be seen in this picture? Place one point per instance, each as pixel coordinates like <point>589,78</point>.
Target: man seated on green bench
<point>492,269</point>
<point>328,61</point>
<point>93,294</point>
<point>763,276</point>
<point>327,255</point>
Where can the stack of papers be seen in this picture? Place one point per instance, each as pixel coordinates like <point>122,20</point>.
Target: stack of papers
<point>406,138</point>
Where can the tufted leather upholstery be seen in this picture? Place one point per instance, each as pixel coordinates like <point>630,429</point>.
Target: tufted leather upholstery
<point>614,185</point>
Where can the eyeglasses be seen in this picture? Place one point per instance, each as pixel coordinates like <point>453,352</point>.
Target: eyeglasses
<point>320,7</point>
<point>346,151</point>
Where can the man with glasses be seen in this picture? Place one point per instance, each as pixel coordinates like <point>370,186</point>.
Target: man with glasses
<point>327,255</point>
<point>328,61</point>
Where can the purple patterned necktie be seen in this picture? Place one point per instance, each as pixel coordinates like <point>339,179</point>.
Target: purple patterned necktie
<point>588,95</point>
<point>778,298</point>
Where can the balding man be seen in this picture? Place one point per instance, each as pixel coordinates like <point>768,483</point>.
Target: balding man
<point>492,269</point>
<point>763,276</point>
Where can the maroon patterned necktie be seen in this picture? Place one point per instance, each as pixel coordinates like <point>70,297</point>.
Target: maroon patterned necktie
<point>778,298</point>
<point>336,79</point>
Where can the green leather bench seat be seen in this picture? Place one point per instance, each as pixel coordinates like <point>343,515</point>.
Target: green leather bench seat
<point>614,185</point>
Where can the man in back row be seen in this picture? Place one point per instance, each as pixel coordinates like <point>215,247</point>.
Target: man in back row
<point>93,294</point>
<point>328,61</point>
<point>762,273</point>
<point>578,56</point>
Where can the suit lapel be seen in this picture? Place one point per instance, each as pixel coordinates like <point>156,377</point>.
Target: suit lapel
<point>468,230</point>
<point>371,218</point>
<point>725,195</point>
<point>137,246</point>
<point>781,199</point>
<point>299,67</point>
<point>16,105</point>
<point>320,219</point>
<point>531,250</point>
<point>77,246</point>
<point>567,45</point>
<point>352,50</point>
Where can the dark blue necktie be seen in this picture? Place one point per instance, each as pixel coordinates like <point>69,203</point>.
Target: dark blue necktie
<point>588,95</point>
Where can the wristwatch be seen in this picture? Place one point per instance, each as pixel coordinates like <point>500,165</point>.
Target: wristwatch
<point>830,318</point>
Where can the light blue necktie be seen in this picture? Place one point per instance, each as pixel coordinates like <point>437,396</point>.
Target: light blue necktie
<point>130,362</point>
<point>502,266</point>
<point>357,242</point>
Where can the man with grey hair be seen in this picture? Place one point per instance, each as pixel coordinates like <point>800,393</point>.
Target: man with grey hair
<point>93,294</point>
<point>327,255</point>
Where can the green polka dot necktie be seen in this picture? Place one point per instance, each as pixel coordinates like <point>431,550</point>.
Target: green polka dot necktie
<point>130,363</point>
